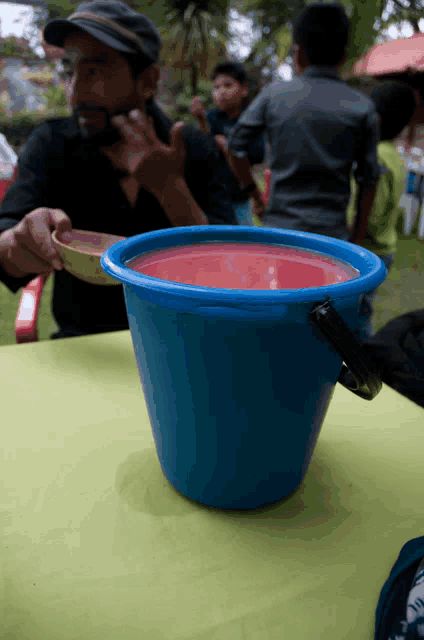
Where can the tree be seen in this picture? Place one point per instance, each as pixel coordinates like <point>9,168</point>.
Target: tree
<point>271,24</point>
<point>364,17</point>
<point>13,46</point>
<point>193,31</point>
<point>274,23</point>
<point>396,12</point>
<point>195,36</point>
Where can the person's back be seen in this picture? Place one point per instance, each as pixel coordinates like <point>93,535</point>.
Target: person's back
<point>318,128</point>
<point>395,105</point>
<point>381,236</point>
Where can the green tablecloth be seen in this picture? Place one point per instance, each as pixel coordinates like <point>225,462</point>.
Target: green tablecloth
<point>98,546</point>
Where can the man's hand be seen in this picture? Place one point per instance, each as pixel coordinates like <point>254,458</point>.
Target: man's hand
<point>257,197</point>
<point>198,112</point>
<point>197,108</point>
<point>222,144</point>
<point>239,166</point>
<point>147,159</point>
<point>157,167</point>
<point>28,248</point>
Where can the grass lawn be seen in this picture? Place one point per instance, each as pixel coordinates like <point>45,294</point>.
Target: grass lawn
<point>403,289</point>
<point>401,292</point>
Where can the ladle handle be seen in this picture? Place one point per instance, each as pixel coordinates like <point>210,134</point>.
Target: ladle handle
<point>360,375</point>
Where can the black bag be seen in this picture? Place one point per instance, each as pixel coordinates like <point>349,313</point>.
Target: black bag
<point>402,597</point>
<point>398,350</point>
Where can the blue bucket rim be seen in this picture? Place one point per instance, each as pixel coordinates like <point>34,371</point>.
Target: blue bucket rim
<point>371,268</point>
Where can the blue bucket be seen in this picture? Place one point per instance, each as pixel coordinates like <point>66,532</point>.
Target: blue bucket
<point>238,382</point>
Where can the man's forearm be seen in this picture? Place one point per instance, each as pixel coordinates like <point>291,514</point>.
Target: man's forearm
<point>241,168</point>
<point>365,203</point>
<point>240,142</point>
<point>180,207</point>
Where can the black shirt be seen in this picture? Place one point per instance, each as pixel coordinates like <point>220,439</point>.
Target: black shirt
<point>220,124</point>
<point>59,170</point>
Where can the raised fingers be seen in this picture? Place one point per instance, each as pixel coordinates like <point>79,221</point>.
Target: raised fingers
<point>196,106</point>
<point>135,128</point>
<point>127,130</point>
<point>145,123</point>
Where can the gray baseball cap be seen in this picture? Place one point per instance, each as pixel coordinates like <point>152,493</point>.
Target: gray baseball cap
<point>112,22</point>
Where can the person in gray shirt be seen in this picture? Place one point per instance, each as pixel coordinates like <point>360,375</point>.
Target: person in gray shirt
<point>319,130</point>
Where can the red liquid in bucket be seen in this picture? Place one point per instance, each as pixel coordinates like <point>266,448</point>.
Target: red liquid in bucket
<point>243,265</point>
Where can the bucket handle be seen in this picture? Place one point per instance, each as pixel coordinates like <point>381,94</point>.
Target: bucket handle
<point>360,375</point>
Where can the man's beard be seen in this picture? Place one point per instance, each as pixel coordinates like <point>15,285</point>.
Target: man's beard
<point>98,129</point>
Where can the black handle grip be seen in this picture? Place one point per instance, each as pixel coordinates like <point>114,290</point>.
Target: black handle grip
<point>360,375</point>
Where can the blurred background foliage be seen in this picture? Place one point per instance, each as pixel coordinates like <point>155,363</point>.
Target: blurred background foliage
<point>198,34</point>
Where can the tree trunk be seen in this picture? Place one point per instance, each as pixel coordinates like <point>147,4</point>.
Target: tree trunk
<point>415,4</point>
<point>193,79</point>
<point>414,24</point>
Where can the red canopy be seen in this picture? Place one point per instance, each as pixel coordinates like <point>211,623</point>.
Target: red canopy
<point>405,55</point>
<point>396,56</point>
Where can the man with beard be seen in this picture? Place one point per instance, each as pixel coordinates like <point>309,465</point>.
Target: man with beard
<point>117,166</point>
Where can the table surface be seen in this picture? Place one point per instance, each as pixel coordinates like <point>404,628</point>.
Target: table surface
<point>97,545</point>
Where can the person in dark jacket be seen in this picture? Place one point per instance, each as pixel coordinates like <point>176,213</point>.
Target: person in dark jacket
<point>230,95</point>
<point>116,166</point>
<point>319,130</point>
<point>398,350</point>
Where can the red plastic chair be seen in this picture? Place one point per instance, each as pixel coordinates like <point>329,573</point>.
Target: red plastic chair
<point>4,185</point>
<point>26,318</point>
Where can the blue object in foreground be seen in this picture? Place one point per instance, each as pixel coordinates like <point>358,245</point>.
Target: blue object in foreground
<point>237,382</point>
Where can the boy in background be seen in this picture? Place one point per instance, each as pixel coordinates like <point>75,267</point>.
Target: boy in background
<point>230,94</point>
<point>318,129</point>
<point>395,105</point>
